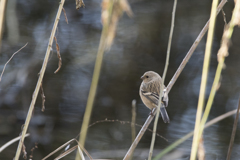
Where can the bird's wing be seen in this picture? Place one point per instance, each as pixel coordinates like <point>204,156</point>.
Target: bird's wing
<point>151,96</point>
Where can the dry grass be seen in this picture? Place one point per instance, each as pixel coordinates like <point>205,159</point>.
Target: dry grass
<point>39,82</point>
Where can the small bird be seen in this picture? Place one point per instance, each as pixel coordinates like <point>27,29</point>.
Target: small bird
<point>149,93</point>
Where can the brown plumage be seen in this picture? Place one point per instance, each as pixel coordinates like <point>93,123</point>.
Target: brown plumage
<point>149,93</point>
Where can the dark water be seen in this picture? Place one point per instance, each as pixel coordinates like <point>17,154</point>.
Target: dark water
<point>140,45</point>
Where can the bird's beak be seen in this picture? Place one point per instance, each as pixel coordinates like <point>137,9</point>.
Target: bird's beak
<point>142,77</point>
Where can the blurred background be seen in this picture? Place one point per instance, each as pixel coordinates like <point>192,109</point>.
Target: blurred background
<point>140,45</point>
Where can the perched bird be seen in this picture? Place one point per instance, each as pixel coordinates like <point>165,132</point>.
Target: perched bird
<point>149,93</point>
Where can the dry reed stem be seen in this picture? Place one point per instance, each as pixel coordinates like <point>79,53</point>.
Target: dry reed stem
<point>11,59</point>
<point>201,150</point>
<point>184,138</point>
<point>93,88</point>
<point>97,122</point>
<point>171,83</point>
<point>35,93</point>
<point>222,53</point>
<point>140,134</point>
<point>43,99</point>
<point>133,119</point>
<point>11,142</point>
<point>192,49</point>
<point>110,18</point>
<point>69,150</point>
<point>81,153</point>
<point>163,79</point>
<point>56,150</point>
<point>233,132</point>
<point>85,151</point>
<point>2,14</point>
<point>206,63</point>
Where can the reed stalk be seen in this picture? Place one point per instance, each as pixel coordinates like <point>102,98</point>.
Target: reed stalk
<point>39,82</point>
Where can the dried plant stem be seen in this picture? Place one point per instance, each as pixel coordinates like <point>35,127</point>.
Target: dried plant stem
<point>43,99</point>
<point>187,136</point>
<point>93,88</point>
<point>11,142</point>
<point>233,132</point>
<point>56,150</point>
<point>192,49</point>
<point>69,150</point>
<point>206,63</point>
<point>133,128</point>
<point>10,60</point>
<point>163,79</point>
<point>133,120</point>
<point>58,54</point>
<point>222,53</point>
<point>171,83</point>
<point>201,150</point>
<point>35,93</point>
<point>140,134</point>
<point>81,153</point>
<point>2,11</point>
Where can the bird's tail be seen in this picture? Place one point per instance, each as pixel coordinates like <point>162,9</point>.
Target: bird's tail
<point>164,115</point>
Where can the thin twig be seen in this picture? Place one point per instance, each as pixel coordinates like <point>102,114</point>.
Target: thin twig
<point>53,152</point>
<point>65,15</point>
<point>32,150</point>
<point>66,152</point>
<point>10,60</point>
<point>125,122</point>
<point>224,17</point>
<point>206,63</point>
<point>44,66</point>
<point>69,150</point>
<point>43,98</point>
<point>59,56</point>
<point>11,142</point>
<point>171,83</point>
<point>233,132</point>
<point>163,79</point>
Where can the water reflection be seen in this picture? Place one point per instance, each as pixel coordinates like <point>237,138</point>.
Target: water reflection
<point>140,45</point>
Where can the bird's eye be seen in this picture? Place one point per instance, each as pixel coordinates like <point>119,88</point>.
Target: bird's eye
<point>147,77</point>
